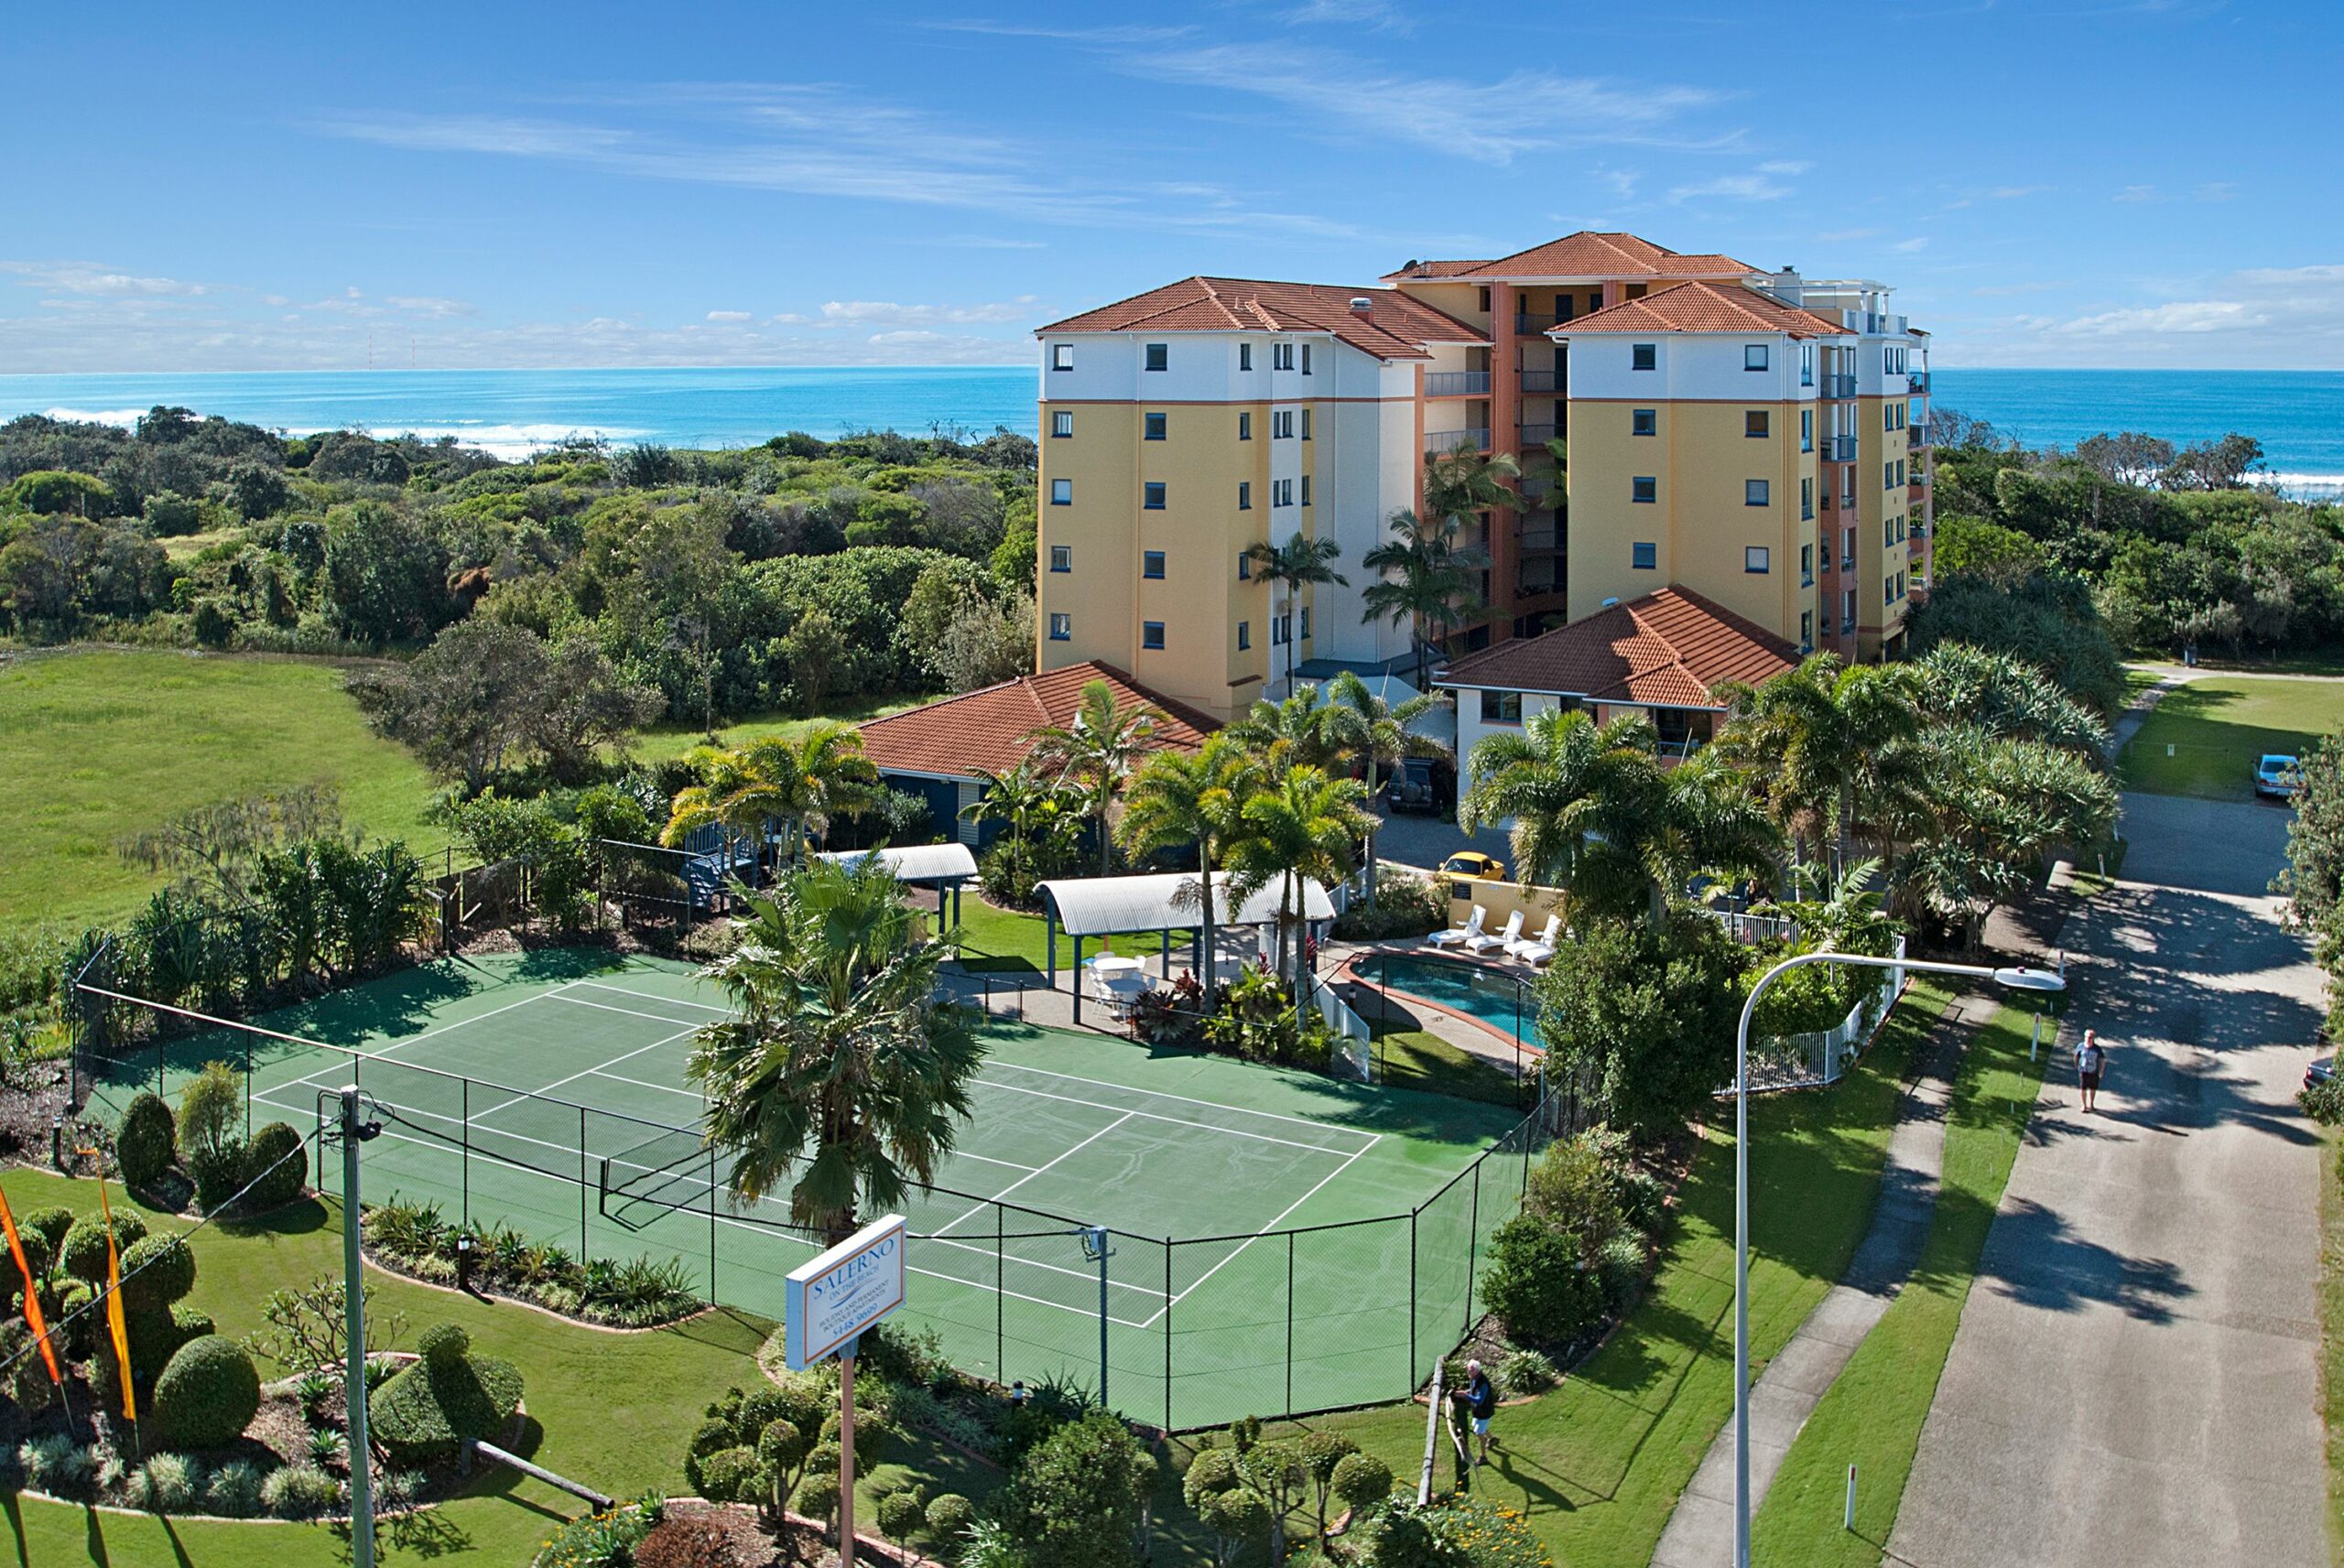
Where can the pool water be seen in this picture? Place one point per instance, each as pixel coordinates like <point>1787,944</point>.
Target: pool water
<point>1469,989</point>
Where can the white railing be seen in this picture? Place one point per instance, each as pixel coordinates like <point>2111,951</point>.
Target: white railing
<point>1821,1057</point>
<point>1744,928</point>
<point>1354,1054</point>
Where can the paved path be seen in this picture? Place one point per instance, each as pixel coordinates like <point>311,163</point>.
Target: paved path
<point>1700,1532</point>
<point>2134,1377</point>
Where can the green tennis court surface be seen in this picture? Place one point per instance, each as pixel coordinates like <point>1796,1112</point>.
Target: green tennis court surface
<point>1281,1241</point>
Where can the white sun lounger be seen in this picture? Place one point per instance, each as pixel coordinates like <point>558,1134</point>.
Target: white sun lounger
<point>1468,932</point>
<point>1537,951</point>
<point>1501,943</point>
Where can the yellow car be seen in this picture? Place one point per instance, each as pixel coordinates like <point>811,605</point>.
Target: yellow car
<point>1473,863</point>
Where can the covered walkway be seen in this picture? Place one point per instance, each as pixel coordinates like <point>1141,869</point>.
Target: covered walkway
<point>1090,908</point>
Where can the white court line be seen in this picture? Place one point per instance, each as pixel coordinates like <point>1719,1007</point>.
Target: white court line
<point>542,1090</point>
<point>1151,1116</point>
<point>646,1084</point>
<point>606,1007</point>
<point>1090,1276</point>
<point>362,1057</point>
<point>989,1160</point>
<point>939,1232</point>
<point>1266,1229</point>
<point>1186,1099</point>
<point>651,996</point>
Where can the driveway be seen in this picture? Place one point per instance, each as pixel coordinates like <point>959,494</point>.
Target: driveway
<point>2134,1377</point>
<point>1425,841</point>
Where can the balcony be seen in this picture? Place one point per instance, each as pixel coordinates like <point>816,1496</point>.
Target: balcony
<point>1839,386</point>
<point>1538,535</point>
<point>1533,582</point>
<point>1537,487</point>
<point>1542,380</point>
<point>1440,441</point>
<point>1526,322</point>
<point>1538,434</point>
<point>1838,448</point>
<point>1457,383</point>
<point>1919,379</point>
<point>1916,438</point>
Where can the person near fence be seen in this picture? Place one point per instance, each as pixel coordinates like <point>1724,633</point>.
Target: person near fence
<point>1480,1399</point>
<point>2092,1062</point>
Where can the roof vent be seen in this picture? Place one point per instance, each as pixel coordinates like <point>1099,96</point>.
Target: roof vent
<point>1362,303</point>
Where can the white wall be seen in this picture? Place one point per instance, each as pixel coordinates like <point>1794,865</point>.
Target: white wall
<point>1692,366</point>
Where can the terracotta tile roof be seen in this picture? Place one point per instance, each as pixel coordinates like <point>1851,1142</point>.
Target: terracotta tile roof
<point>987,728</point>
<point>1704,307</point>
<point>1393,326</point>
<point>1672,648</point>
<point>1589,254</point>
<point>1433,269</point>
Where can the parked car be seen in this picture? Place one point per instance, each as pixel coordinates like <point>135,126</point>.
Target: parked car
<point>2321,1070</point>
<point>2277,776</point>
<point>1472,864</point>
<point>1421,785</point>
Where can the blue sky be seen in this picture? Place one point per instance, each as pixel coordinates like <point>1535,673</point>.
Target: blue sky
<point>2077,182</point>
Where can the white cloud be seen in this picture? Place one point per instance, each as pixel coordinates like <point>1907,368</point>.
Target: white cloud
<point>874,312</point>
<point>2013,192</point>
<point>1908,247</point>
<point>428,306</point>
<point>1785,166</point>
<point>2177,316</point>
<point>2136,193</point>
<point>1376,15</point>
<point>89,278</point>
<point>2260,317</point>
<point>1737,187</point>
<point>730,317</point>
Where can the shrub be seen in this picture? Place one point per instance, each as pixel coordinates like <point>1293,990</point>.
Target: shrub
<point>281,1185</point>
<point>902,1515</point>
<point>55,1465</point>
<point>1539,1285</point>
<point>1237,1517</point>
<point>39,1256</point>
<point>1571,1187</point>
<point>1361,1481</point>
<point>2323,1101</point>
<point>144,1144</point>
<point>1644,1200</point>
<point>427,1410</point>
<point>212,1110</point>
<point>1619,1265</point>
<point>233,1491</point>
<point>1406,905</point>
<point>156,1272</point>
<point>731,1475</point>
<point>1075,1501</point>
<point>686,1543</point>
<point>605,1540</point>
<point>51,1225</point>
<point>84,1253</point>
<point>949,1516</point>
<point>207,1395</point>
<point>164,1484</point>
<point>299,1491</point>
<point>1527,1372</point>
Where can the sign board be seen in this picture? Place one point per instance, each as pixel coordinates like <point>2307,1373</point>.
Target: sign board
<point>846,1290</point>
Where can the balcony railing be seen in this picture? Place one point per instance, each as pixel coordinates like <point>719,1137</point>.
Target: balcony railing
<point>1530,585</point>
<point>1542,380</point>
<point>1537,487</point>
<point>1535,322</point>
<point>1839,386</point>
<point>1914,437</point>
<point>1457,383</point>
<point>1538,536</point>
<point>1838,448</point>
<point>1919,379</point>
<point>1538,434</point>
<point>1438,441</point>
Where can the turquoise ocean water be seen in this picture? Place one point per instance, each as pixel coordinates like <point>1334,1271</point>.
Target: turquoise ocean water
<point>2298,415</point>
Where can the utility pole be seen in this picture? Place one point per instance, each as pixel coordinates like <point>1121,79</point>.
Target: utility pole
<point>351,1132</point>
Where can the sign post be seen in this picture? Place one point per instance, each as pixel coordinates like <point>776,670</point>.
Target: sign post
<point>827,1305</point>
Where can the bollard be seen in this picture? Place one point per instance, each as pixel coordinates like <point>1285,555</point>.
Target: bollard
<point>2037,1040</point>
<point>1848,1518</point>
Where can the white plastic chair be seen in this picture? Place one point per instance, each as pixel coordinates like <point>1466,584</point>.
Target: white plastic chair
<point>1543,948</point>
<point>1503,942</point>
<point>1468,932</point>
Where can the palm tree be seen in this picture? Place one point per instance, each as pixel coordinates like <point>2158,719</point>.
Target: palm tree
<point>1424,580</point>
<point>1183,799</point>
<point>1466,481</point>
<point>1821,736</point>
<point>841,1073</point>
<point>1297,823</point>
<point>1373,733</point>
<point>1030,807</point>
<point>1839,913</point>
<point>803,781</point>
<point>1291,733</point>
<point>1297,563</point>
<point>1094,754</point>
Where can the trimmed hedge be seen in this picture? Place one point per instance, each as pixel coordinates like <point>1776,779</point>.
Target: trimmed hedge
<point>207,1395</point>
<point>146,1142</point>
<point>288,1181</point>
<point>427,1411</point>
<point>83,1256</point>
<point>156,1272</point>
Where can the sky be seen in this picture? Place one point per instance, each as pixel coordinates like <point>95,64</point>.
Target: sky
<point>2071,183</point>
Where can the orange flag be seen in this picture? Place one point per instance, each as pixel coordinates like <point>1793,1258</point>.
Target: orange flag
<point>116,1327</point>
<point>32,1297</point>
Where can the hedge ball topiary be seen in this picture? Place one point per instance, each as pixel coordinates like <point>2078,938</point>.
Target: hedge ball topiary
<point>272,1185</point>
<point>156,1272</point>
<point>949,1516</point>
<point>84,1253</point>
<point>731,1476</point>
<point>428,1410</point>
<point>39,1256</point>
<point>146,1142</point>
<point>207,1394</point>
<point>445,1343</point>
<point>51,1225</point>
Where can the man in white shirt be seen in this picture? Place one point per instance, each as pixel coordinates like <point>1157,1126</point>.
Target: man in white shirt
<point>2091,1060</point>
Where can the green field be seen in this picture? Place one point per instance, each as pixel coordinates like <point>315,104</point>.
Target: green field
<point>664,741</point>
<point>97,745</point>
<point>2203,738</point>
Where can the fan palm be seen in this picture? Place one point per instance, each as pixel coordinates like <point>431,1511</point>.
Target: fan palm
<point>1466,481</point>
<point>1298,823</point>
<point>1424,579</point>
<point>1183,799</point>
<point>1373,733</point>
<point>1819,737</point>
<point>1297,563</point>
<point>840,1077</point>
<point>1094,754</point>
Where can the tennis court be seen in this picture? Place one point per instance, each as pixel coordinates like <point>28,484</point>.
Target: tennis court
<point>1279,1241</point>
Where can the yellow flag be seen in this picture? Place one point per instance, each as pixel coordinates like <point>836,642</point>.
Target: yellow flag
<point>115,1328</point>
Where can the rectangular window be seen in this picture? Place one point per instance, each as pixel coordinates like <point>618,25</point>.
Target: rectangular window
<point>1244,426</point>
<point>1061,356</point>
<point>1245,566</point>
<point>1848,546</point>
<point>1757,559</point>
<point>1482,300</point>
<point>1151,563</point>
<point>1806,565</point>
<point>1644,356</point>
<point>1281,492</point>
<point>1806,429</point>
<point>1806,499</point>
<point>1900,471</point>
<point>1062,422</point>
<point>1806,364</point>
<point>1281,356</point>
<point>1755,491</point>
<point>1278,631</point>
<point>1306,359</point>
<point>1888,476</point>
<point>1305,424</point>
<point>1306,623</point>
<point>1244,495</point>
<point>1152,495</point>
<point>1244,636</point>
<point>1500,707</point>
<point>1152,427</point>
<point>1888,590</point>
<point>1644,556</point>
<point>1061,492</point>
<point>1244,356</point>
<point>1306,490</point>
<point>1900,585</point>
<point>1061,557</point>
<point>1281,423</point>
<point>1644,421</point>
<point>1847,608</point>
<point>1159,356</point>
<point>1061,626</point>
<point>1888,417</point>
<point>1151,634</point>
<point>1644,491</point>
<point>1755,425</point>
<point>1753,356</point>
<point>1636,290</point>
<point>1806,628</point>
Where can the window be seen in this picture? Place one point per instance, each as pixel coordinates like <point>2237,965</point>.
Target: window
<point>1061,557</point>
<point>1245,566</point>
<point>1806,364</point>
<point>1827,499</point>
<point>1305,424</point>
<point>1244,426</point>
<point>1061,626</point>
<point>1644,356</point>
<point>1888,590</point>
<point>1281,423</point>
<point>1061,356</point>
<point>1244,636</point>
<point>1306,490</point>
<point>1753,356</point>
<point>1848,546</point>
<point>1306,359</point>
<point>1888,417</point>
<point>1644,556</point>
<point>1281,356</point>
<point>1594,299</point>
<point>1279,625</point>
<point>1158,356</point>
<point>1244,356</point>
<point>1806,628</point>
<point>1637,290</point>
<point>1826,544</point>
<point>1281,492</point>
<point>1306,623</point>
<point>1900,471</point>
<point>1888,476</point>
<point>1644,421</point>
<point>1806,429</point>
<point>1483,301</point>
<point>1643,491</point>
<point>1152,427</point>
<point>1152,495</point>
<point>1900,585</point>
<point>1847,608</point>
<point>1244,495</point>
<point>1755,491</point>
<point>1806,566</point>
<point>1062,423</point>
<point>1061,492</point>
<point>1755,425</point>
<point>1757,559</point>
<point>1806,499</point>
<point>1151,634</point>
<point>1151,563</point>
<point>1500,707</point>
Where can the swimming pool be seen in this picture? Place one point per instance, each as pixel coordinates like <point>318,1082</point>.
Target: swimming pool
<point>1484,994</point>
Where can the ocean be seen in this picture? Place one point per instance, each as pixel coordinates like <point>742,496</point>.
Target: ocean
<point>2298,415</point>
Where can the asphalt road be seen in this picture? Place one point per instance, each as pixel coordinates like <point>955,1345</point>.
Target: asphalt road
<point>2134,1377</point>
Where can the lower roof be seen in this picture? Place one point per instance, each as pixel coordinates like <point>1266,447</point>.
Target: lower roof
<point>1669,649</point>
<point>989,730</point>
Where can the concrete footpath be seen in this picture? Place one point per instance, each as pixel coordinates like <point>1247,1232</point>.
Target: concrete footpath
<point>1700,1532</point>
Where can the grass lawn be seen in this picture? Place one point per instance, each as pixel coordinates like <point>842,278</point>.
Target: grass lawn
<point>1419,1059</point>
<point>664,741</point>
<point>1873,1413</point>
<point>99,744</point>
<point>611,1409</point>
<point>2216,726</point>
<point>1597,1465</point>
<point>1011,942</point>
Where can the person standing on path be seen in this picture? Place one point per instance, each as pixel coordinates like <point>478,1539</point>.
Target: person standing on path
<point>2091,1060</point>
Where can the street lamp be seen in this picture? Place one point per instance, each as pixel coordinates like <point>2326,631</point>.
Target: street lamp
<point>2015,978</point>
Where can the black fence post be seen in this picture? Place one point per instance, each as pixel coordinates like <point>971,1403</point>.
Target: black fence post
<point>581,1185</point>
<point>1000,1303</point>
<point>1168,1334</point>
<point>712,1227</point>
<point>466,1134</point>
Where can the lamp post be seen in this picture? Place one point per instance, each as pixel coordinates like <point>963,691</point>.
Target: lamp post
<point>2016,978</point>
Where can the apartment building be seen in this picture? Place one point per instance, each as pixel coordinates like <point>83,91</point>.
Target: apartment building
<point>1756,437</point>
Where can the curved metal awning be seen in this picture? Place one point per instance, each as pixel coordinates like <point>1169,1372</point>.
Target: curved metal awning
<point>917,865</point>
<point>1120,906</point>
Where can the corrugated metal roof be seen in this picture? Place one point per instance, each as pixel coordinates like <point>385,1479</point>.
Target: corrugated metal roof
<point>917,863</point>
<point>1119,906</point>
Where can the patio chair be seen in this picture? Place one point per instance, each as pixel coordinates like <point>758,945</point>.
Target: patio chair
<point>1468,932</point>
<point>1540,949</point>
<point>1503,942</point>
